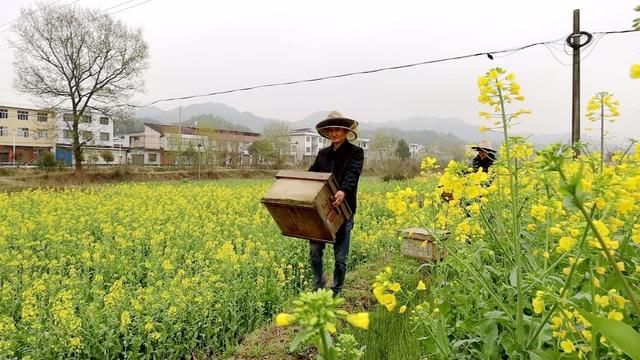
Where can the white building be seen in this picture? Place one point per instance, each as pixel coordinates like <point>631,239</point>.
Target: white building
<point>306,143</point>
<point>415,150</point>
<point>364,144</point>
<point>96,135</point>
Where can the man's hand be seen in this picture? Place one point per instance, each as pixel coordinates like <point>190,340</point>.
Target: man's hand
<point>338,199</point>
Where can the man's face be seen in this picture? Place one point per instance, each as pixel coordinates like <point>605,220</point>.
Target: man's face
<point>483,155</point>
<point>337,135</point>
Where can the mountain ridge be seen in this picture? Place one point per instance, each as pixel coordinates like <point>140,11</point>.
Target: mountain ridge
<point>446,126</point>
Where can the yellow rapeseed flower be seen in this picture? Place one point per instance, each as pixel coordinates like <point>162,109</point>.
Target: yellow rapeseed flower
<point>635,71</point>
<point>538,305</point>
<point>421,285</point>
<point>567,346</point>
<point>360,320</point>
<point>284,319</point>
<point>565,244</point>
<point>615,315</point>
<point>602,301</point>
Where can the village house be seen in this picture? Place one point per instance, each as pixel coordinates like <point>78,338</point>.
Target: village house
<point>96,136</point>
<point>174,145</point>
<point>25,134</point>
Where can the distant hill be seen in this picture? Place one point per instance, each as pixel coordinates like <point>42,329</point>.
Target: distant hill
<point>211,121</point>
<point>418,129</point>
<point>229,114</point>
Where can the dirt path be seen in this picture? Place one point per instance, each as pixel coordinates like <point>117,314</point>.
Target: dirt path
<point>271,342</point>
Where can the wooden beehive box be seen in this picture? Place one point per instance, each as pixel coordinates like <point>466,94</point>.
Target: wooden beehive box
<point>419,243</point>
<point>300,203</point>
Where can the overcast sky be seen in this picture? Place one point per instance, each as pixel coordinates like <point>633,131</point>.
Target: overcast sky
<point>200,46</point>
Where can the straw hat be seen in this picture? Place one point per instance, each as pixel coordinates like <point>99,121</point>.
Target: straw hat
<point>484,146</point>
<point>336,120</point>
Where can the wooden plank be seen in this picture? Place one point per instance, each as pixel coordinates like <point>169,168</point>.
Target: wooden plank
<point>303,175</point>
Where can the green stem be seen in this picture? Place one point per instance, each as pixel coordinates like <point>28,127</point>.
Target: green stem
<point>608,255</point>
<point>566,286</point>
<point>601,133</point>
<point>325,345</point>
<point>538,278</point>
<point>515,229</point>
<point>494,236</point>
<point>605,248</point>
<point>594,309</point>
<point>474,271</point>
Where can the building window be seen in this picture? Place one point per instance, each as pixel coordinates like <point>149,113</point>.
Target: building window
<point>104,136</point>
<point>23,132</point>
<point>42,117</point>
<point>4,156</point>
<point>153,157</point>
<point>308,138</point>
<point>87,135</point>
<point>4,114</point>
<point>23,115</point>
<point>42,134</point>
<point>82,119</point>
<point>4,131</point>
<point>66,134</point>
<point>104,120</point>
<point>308,149</point>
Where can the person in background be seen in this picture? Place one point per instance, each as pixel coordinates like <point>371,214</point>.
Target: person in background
<point>485,158</point>
<point>344,160</point>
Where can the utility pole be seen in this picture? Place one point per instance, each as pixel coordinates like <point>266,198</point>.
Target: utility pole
<point>575,108</point>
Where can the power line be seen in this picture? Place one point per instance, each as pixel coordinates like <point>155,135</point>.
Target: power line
<point>118,5</point>
<point>39,9</point>
<point>370,71</point>
<point>130,7</point>
<point>9,46</point>
<point>45,6</point>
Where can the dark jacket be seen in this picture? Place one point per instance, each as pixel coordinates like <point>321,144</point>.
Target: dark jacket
<point>483,163</point>
<point>346,165</point>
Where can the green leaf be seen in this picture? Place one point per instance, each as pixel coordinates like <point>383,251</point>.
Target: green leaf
<point>300,338</point>
<point>513,277</point>
<point>489,335</point>
<point>621,334</point>
<point>498,315</point>
<point>543,355</point>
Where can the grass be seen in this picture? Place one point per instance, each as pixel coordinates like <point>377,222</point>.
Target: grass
<point>389,335</point>
<point>22,179</point>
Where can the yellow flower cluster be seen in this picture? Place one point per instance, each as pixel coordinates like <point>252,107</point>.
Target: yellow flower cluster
<point>601,106</point>
<point>498,88</point>
<point>384,289</point>
<point>428,163</point>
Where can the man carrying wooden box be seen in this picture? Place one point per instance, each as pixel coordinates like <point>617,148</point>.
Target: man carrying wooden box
<point>344,160</point>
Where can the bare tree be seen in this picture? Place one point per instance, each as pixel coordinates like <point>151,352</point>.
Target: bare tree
<point>382,143</point>
<point>278,135</point>
<point>79,59</point>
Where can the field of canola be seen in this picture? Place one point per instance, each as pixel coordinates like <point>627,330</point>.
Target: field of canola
<point>160,270</point>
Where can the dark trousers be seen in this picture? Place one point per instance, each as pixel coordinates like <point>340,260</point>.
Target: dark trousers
<point>340,252</point>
